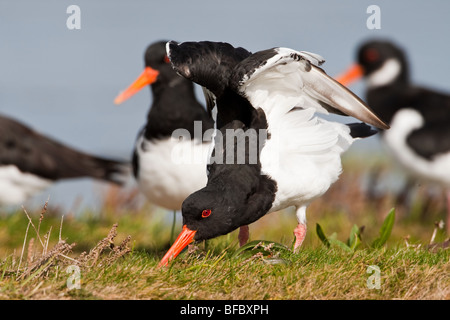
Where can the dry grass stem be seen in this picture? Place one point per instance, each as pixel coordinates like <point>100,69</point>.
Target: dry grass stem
<point>23,247</point>
<point>59,254</point>
<point>93,257</point>
<point>32,224</point>
<point>60,227</point>
<point>30,252</point>
<point>43,211</point>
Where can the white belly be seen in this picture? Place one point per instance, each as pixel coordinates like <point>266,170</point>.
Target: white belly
<point>170,170</point>
<point>16,187</point>
<point>307,161</point>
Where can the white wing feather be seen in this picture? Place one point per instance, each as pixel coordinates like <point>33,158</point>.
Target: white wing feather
<point>292,79</point>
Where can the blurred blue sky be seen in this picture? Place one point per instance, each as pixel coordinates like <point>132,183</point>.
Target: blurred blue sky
<point>62,82</point>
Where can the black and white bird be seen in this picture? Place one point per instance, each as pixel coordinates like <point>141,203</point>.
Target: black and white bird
<point>419,138</point>
<point>167,166</point>
<point>30,162</point>
<point>278,92</point>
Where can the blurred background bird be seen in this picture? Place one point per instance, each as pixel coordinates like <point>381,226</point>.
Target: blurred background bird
<point>419,138</point>
<point>169,168</point>
<point>30,162</point>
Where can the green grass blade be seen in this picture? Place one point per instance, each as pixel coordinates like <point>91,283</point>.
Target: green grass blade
<point>354,239</point>
<point>341,245</point>
<point>321,235</point>
<point>385,231</point>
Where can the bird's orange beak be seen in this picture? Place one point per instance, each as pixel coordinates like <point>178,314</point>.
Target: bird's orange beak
<point>186,236</point>
<point>148,76</point>
<point>354,73</point>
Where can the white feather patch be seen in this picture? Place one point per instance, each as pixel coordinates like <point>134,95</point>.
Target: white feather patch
<point>303,156</point>
<point>16,187</point>
<point>388,72</point>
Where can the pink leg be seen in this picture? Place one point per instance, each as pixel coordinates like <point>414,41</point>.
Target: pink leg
<point>243,235</point>
<point>300,234</point>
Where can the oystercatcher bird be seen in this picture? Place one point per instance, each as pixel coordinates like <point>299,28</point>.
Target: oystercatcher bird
<point>276,92</point>
<point>419,138</point>
<point>31,162</point>
<point>168,168</point>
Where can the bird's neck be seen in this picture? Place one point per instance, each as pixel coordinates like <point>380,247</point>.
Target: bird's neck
<point>232,106</point>
<point>387,100</point>
<point>393,72</point>
<point>174,107</point>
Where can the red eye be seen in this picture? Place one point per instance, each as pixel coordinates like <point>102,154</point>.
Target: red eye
<point>206,213</point>
<point>166,59</point>
<point>371,55</point>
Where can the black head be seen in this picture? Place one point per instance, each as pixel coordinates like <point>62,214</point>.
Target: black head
<point>158,72</point>
<point>156,58</point>
<point>235,198</point>
<point>205,215</point>
<point>210,214</point>
<point>155,55</point>
<point>373,55</point>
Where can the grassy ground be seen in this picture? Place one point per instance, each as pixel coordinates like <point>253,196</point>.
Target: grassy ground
<point>113,254</point>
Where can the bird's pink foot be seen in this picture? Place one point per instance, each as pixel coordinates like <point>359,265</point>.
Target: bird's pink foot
<point>300,234</point>
<point>243,235</point>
